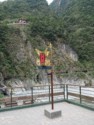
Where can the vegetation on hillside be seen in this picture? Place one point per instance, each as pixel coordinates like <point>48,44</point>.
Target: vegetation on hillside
<point>71,22</point>
<point>78,23</point>
<point>12,9</point>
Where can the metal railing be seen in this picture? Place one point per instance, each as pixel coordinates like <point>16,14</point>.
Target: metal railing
<point>34,95</point>
<point>80,94</point>
<point>41,94</point>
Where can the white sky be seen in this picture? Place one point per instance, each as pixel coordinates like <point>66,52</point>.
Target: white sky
<point>1,0</point>
<point>49,1</point>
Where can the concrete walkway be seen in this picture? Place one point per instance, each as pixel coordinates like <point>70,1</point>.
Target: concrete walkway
<point>71,115</point>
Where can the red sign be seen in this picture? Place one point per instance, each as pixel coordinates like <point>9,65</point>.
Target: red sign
<point>42,58</point>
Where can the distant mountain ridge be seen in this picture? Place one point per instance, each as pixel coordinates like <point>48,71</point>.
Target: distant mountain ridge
<point>58,5</point>
<point>18,8</point>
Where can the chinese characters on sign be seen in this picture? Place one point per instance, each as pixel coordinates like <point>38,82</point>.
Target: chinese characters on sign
<point>42,58</point>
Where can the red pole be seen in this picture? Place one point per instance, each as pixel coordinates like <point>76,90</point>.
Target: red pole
<point>52,90</point>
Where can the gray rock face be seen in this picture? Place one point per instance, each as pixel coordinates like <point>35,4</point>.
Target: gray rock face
<point>3,88</point>
<point>69,52</point>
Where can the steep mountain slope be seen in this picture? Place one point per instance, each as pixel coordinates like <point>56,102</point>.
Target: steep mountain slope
<point>59,5</point>
<point>18,55</point>
<point>78,20</point>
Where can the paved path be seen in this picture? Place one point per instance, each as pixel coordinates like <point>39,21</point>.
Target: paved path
<point>71,115</point>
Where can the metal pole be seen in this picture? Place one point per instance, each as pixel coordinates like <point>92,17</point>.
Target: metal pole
<point>11,97</point>
<point>64,91</point>
<point>67,91</point>
<point>49,93</point>
<point>52,90</point>
<point>31,94</point>
<point>80,95</point>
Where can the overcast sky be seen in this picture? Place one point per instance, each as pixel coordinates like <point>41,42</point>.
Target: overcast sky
<point>49,1</point>
<point>1,0</point>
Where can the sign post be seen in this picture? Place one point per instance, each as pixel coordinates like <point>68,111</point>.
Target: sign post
<point>45,63</point>
<point>52,95</point>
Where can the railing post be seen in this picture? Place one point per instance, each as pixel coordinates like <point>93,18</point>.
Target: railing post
<point>49,93</point>
<point>80,95</point>
<point>52,95</point>
<point>64,91</point>
<point>11,96</point>
<point>31,94</point>
<point>67,91</point>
